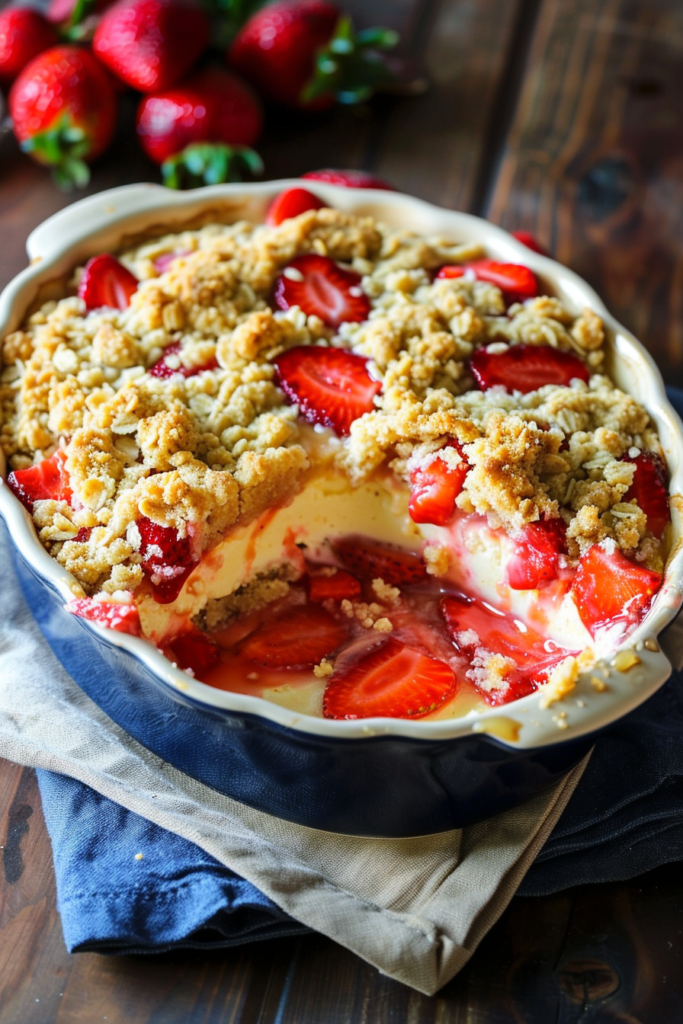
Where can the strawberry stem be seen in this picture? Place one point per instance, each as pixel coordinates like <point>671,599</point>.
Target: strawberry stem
<point>209,163</point>
<point>352,66</point>
<point>62,147</point>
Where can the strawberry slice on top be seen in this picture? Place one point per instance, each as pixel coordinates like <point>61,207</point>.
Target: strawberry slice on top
<point>291,203</point>
<point>168,367</point>
<point>535,561</point>
<point>330,385</point>
<point>106,282</point>
<point>391,681</point>
<point>526,368</point>
<point>320,287</point>
<point>650,490</point>
<point>46,480</point>
<point>124,618</point>
<point>167,559</point>
<point>297,638</point>
<point>516,282</point>
<point>610,589</point>
<point>435,486</point>
<point>373,559</point>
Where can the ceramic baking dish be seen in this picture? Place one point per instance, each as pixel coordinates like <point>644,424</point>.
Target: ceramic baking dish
<point>384,777</point>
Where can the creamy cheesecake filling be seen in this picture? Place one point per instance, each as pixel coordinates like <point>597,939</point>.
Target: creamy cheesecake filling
<point>468,558</point>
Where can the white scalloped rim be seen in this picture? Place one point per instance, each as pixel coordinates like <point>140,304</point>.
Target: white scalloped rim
<point>101,222</point>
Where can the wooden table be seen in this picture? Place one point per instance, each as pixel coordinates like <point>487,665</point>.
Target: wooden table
<point>564,117</point>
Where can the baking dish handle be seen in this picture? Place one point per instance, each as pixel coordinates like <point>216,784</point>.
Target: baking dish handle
<point>90,215</point>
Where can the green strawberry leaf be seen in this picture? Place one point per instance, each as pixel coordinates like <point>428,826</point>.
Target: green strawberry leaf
<point>210,163</point>
<point>351,67</point>
<point>63,147</point>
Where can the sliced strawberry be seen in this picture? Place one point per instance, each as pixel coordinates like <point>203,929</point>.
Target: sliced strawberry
<point>339,587</point>
<point>526,368</point>
<point>650,490</point>
<point>193,651</point>
<point>610,589</point>
<point>434,488</point>
<point>124,618</point>
<point>392,681</point>
<point>516,282</point>
<point>530,241</point>
<point>47,479</point>
<point>298,638</point>
<point>167,559</point>
<point>479,630</point>
<point>291,203</point>
<point>330,385</point>
<point>106,282</point>
<point>371,560</point>
<point>320,287</point>
<point>536,557</point>
<point>348,179</point>
<point>83,534</point>
<point>164,261</point>
<point>163,367</point>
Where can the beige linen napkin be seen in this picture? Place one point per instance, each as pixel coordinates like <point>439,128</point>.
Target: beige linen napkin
<point>415,908</point>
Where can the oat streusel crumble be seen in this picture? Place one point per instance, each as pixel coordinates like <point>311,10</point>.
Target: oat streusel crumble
<point>208,441</point>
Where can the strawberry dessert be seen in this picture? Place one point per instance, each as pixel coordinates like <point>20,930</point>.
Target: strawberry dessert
<point>351,470</point>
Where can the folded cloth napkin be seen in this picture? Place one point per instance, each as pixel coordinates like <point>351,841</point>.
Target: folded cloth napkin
<point>190,867</point>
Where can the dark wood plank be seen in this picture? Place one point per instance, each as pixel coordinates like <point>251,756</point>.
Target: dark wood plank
<point>593,163</point>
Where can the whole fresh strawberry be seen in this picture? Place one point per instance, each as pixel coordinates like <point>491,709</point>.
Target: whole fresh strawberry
<point>304,53</point>
<point>63,109</point>
<point>24,33</point>
<point>211,106</point>
<point>151,44</point>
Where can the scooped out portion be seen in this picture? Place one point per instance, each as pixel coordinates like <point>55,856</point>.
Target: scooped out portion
<point>355,471</point>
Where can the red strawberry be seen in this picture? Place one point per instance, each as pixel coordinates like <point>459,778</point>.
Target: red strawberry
<point>516,282</point>
<point>75,11</point>
<point>339,587</point>
<point>330,385</point>
<point>535,561</point>
<point>164,367</point>
<point>193,651</point>
<point>650,490</point>
<point>151,44</point>
<point>167,559</point>
<point>434,488</point>
<point>47,479</point>
<point>24,33</point>
<point>63,109</point>
<point>372,559</point>
<point>304,53</point>
<point>322,288</point>
<point>291,203</point>
<point>609,588</point>
<point>477,627</point>
<point>163,262</point>
<point>298,638</point>
<point>210,106</point>
<point>348,179</point>
<point>124,618</point>
<point>106,282</point>
<point>392,681</point>
<point>530,241</point>
<point>526,368</point>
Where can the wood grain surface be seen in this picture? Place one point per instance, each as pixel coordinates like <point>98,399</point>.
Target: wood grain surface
<point>564,117</point>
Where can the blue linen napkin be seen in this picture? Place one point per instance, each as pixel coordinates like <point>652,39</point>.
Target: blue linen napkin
<point>625,817</point>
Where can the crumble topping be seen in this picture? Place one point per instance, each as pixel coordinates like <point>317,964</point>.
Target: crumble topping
<point>212,449</point>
